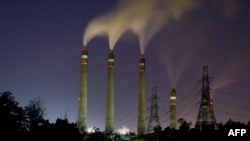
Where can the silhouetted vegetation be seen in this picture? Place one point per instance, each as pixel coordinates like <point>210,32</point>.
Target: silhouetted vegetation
<point>29,123</point>
<point>185,132</point>
<point>34,112</point>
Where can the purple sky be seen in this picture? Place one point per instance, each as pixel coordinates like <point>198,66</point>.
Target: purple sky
<point>40,54</point>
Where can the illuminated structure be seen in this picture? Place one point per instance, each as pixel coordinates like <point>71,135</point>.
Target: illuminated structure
<point>206,117</point>
<point>141,127</point>
<point>173,109</point>
<point>82,115</point>
<point>109,127</point>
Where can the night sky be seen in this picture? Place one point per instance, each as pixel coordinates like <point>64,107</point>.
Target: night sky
<point>40,56</point>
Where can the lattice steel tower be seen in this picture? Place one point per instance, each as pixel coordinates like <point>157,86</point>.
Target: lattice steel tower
<point>153,118</point>
<point>206,117</point>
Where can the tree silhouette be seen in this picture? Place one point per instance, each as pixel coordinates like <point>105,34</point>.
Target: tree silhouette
<point>12,119</point>
<point>157,129</point>
<point>28,123</point>
<point>35,113</point>
<point>60,130</point>
<point>184,125</point>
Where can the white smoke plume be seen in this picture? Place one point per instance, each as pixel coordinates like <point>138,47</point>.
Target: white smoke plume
<point>143,17</point>
<point>178,57</point>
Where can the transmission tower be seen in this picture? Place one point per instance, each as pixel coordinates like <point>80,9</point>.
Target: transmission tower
<point>153,118</point>
<point>206,117</point>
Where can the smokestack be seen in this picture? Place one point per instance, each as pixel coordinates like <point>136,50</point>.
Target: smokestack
<point>141,127</point>
<point>173,109</point>
<point>109,127</point>
<point>82,117</point>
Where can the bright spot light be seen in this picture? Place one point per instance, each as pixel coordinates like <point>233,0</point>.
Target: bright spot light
<point>91,130</point>
<point>124,130</point>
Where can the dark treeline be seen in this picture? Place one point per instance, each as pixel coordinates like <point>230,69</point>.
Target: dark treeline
<point>28,123</point>
<point>222,131</point>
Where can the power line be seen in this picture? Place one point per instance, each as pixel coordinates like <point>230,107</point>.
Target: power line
<point>127,117</point>
<point>188,103</point>
<point>187,94</point>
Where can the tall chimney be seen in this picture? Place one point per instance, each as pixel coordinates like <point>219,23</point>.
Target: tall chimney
<point>109,127</point>
<point>141,127</point>
<point>173,109</point>
<point>82,117</point>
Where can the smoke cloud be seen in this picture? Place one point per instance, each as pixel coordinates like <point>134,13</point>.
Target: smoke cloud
<point>143,17</point>
<point>179,47</point>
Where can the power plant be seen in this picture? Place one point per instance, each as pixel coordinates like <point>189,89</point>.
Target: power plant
<point>109,127</point>
<point>172,123</point>
<point>83,108</point>
<point>205,116</point>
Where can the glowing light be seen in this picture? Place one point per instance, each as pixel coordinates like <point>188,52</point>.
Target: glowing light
<point>123,130</point>
<point>91,129</point>
<point>84,56</point>
<point>111,60</point>
<point>172,97</point>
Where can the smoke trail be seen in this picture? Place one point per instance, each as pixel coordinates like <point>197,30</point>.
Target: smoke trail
<point>143,17</point>
<point>96,27</point>
<point>176,57</point>
<point>112,25</point>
